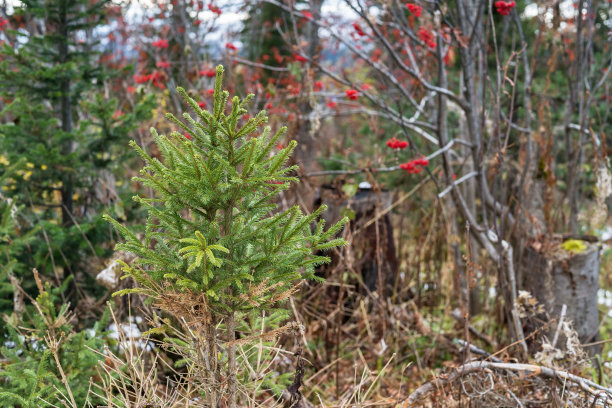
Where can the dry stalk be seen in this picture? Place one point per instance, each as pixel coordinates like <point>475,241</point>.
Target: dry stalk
<point>131,378</point>
<point>54,344</point>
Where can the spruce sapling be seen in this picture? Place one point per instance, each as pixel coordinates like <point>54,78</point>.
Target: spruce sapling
<point>215,247</point>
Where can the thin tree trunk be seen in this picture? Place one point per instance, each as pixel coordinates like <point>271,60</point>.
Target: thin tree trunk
<point>575,151</point>
<point>305,135</point>
<point>67,189</point>
<point>442,128</point>
<point>231,352</point>
<point>212,364</point>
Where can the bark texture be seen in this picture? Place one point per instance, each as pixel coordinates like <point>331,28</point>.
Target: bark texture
<point>555,277</point>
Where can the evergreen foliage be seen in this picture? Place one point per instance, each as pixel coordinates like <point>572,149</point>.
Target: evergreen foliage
<point>215,247</point>
<point>29,372</point>
<point>36,342</point>
<point>46,78</point>
<point>211,226</point>
<point>12,243</point>
<point>61,131</point>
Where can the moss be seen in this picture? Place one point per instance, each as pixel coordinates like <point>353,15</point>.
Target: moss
<point>575,246</point>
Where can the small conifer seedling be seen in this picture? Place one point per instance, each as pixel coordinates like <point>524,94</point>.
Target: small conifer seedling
<point>215,245</point>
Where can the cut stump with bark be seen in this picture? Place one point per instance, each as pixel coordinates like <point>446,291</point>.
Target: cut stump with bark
<point>556,276</point>
<point>372,235</point>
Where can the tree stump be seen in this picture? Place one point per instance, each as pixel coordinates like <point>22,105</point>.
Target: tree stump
<point>361,277</point>
<point>375,255</point>
<point>556,276</point>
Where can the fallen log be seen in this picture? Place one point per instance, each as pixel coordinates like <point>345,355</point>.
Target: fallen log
<point>598,392</point>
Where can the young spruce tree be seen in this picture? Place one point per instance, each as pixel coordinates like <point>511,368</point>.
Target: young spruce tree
<point>66,134</point>
<point>215,248</point>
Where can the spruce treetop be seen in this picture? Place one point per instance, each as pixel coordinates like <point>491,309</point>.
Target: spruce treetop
<point>213,225</point>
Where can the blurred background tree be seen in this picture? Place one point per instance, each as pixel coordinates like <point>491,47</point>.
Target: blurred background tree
<point>65,131</point>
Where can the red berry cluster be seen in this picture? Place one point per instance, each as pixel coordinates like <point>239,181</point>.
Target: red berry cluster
<point>415,166</point>
<point>504,7</point>
<point>359,30</point>
<point>352,94</point>
<point>156,77</point>
<point>208,72</point>
<point>427,37</point>
<point>215,9</point>
<point>160,43</point>
<point>397,144</point>
<point>414,9</point>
